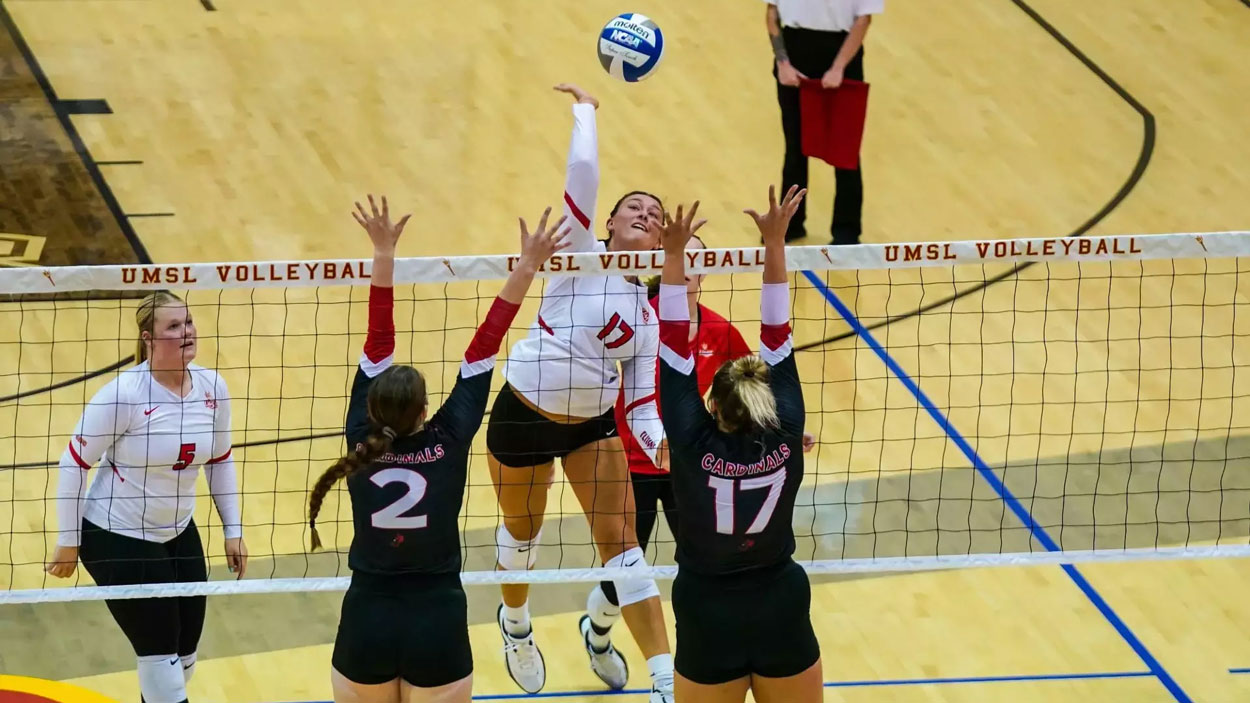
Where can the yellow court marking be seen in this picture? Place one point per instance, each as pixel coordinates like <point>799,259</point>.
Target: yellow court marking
<point>54,690</point>
<point>20,249</point>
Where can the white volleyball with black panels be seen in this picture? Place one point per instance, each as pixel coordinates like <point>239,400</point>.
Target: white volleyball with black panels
<point>630,47</point>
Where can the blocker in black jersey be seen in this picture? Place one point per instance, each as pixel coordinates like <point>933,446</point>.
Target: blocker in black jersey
<point>405,614</point>
<point>406,504</point>
<point>742,604</point>
<point>735,492</point>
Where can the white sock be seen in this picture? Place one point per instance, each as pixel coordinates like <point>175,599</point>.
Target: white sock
<point>188,666</point>
<point>160,679</point>
<point>603,615</point>
<point>516,621</point>
<point>661,668</point>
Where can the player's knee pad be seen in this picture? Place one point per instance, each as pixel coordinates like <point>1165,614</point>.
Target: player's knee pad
<point>514,554</point>
<point>188,666</point>
<point>630,591</point>
<point>160,679</point>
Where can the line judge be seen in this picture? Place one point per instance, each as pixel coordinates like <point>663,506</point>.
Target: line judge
<point>818,39</point>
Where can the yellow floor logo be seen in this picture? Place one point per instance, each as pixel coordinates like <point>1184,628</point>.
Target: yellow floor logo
<point>19,689</point>
<point>19,250</point>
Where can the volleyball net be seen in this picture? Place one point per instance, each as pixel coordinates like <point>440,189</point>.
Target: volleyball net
<point>974,403</point>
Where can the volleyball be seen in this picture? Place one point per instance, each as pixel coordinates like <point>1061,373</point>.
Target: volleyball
<point>630,47</point>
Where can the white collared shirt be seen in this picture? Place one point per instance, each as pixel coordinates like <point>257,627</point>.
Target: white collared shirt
<point>825,15</point>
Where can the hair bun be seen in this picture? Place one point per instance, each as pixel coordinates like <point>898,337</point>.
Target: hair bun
<point>748,372</point>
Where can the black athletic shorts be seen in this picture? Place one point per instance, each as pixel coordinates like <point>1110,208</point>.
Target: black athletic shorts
<point>517,435</point>
<point>733,626</point>
<point>410,626</point>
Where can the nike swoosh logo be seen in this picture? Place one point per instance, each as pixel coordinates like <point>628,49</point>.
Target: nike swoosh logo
<point>174,661</point>
<point>632,563</point>
<point>151,410</point>
<point>522,550</point>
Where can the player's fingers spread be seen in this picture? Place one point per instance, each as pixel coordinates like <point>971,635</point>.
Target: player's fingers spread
<point>542,222</point>
<point>693,209</point>
<point>386,208</point>
<point>374,206</point>
<point>525,232</point>
<point>558,224</point>
<point>698,225</point>
<point>400,227</point>
<point>772,197</point>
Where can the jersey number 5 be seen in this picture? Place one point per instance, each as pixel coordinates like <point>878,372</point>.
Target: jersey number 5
<point>615,324</point>
<point>725,500</point>
<point>186,455</point>
<point>392,516</point>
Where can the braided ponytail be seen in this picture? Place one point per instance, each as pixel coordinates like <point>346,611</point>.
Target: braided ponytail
<point>377,444</point>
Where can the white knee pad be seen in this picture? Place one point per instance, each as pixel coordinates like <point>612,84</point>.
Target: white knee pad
<point>160,679</point>
<point>188,666</point>
<point>514,554</point>
<point>630,591</point>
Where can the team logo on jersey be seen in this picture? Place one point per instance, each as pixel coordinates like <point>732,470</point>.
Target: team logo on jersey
<point>646,314</point>
<point>646,440</point>
<point>78,438</point>
<point>208,401</point>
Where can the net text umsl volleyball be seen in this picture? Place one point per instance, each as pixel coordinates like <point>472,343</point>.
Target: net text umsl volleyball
<point>646,260</point>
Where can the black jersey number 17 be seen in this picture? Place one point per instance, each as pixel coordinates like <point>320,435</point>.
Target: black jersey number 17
<point>726,497</point>
<point>392,516</point>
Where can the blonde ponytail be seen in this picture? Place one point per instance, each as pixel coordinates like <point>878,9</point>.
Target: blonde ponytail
<point>743,398</point>
<point>145,318</point>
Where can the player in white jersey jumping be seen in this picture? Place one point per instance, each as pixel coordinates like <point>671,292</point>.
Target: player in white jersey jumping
<point>150,429</point>
<point>562,382</point>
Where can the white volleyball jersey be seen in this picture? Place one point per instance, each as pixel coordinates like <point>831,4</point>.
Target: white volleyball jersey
<point>594,336</point>
<point>149,444</point>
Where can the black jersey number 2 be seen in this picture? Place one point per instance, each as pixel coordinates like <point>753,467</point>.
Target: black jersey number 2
<point>725,498</point>
<point>392,516</point>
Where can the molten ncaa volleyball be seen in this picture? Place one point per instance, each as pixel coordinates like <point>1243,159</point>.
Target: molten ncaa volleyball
<point>630,47</point>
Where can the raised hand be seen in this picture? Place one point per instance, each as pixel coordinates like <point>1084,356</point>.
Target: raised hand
<point>382,232</point>
<point>580,95</point>
<point>676,231</point>
<point>536,248</point>
<point>773,224</point>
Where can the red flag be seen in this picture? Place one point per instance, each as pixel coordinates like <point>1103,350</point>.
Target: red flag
<point>833,121</point>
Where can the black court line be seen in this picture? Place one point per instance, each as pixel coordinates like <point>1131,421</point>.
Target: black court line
<point>208,5</point>
<point>133,215</point>
<point>69,382</point>
<point>129,162</point>
<point>1139,170</point>
<point>84,107</point>
<point>75,139</point>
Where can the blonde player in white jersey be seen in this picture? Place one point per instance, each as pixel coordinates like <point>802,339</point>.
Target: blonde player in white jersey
<point>150,429</point>
<point>594,338</point>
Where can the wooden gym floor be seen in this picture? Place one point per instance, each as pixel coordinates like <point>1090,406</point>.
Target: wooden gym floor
<point>176,131</point>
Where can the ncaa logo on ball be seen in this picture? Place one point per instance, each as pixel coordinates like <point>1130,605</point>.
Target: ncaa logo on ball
<point>630,47</point>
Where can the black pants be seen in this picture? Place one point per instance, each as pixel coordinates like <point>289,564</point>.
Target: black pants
<point>153,625</point>
<point>649,489</point>
<point>812,53</point>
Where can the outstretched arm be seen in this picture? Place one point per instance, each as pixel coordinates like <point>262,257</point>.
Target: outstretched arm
<point>581,180</point>
<point>684,412</point>
<point>462,412</point>
<point>776,342</point>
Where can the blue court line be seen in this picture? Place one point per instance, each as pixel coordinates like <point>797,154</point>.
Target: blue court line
<point>1039,533</point>
<point>840,684</point>
<point>1239,671</point>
